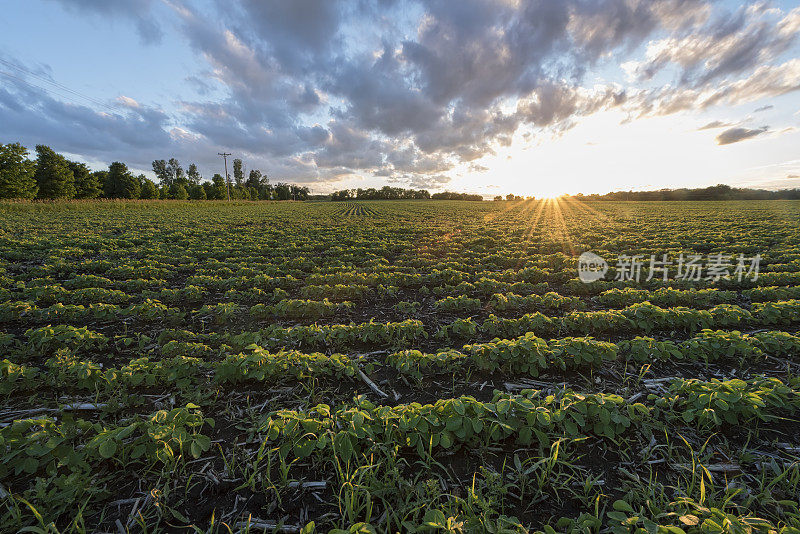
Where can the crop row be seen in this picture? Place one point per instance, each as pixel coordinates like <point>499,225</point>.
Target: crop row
<point>618,298</point>
<point>641,318</point>
<point>531,417</point>
<point>39,446</point>
<point>150,283</point>
<point>44,446</point>
<point>531,355</point>
<point>637,318</point>
<point>184,364</point>
<point>64,370</point>
<point>153,310</point>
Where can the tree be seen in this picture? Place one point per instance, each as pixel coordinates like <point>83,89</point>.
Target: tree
<point>161,172</point>
<point>265,192</point>
<point>17,172</point>
<point>178,191</point>
<point>238,173</point>
<point>298,193</point>
<point>216,189</point>
<point>193,175</point>
<point>208,188</point>
<point>121,183</point>
<point>176,171</point>
<point>53,175</point>
<point>169,172</point>
<point>86,183</point>
<point>254,179</point>
<point>102,181</point>
<point>239,192</point>
<point>339,196</point>
<point>148,190</point>
<point>197,192</point>
<point>282,191</point>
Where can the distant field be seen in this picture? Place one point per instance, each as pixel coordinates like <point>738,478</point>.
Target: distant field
<point>399,366</point>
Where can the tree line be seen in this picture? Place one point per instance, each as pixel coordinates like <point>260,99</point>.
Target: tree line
<point>398,193</point>
<point>714,192</point>
<point>52,176</point>
<point>384,193</point>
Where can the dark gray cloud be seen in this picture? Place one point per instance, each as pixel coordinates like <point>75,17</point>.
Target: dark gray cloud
<point>734,135</point>
<point>763,108</point>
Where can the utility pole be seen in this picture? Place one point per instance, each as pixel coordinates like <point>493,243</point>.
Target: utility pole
<point>227,179</point>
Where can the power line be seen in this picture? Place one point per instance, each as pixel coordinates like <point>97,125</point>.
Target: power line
<point>45,89</point>
<point>60,86</point>
<point>53,82</point>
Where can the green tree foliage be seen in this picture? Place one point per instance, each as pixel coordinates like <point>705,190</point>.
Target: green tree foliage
<point>384,193</point>
<point>344,194</point>
<point>149,190</point>
<point>254,179</point>
<point>176,171</point>
<point>240,193</point>
<point>216,189</point>
<point>193,175</point>
<point>169,172</point>
<point>102,180</point>
<point>447,195</point>
<point>160,170</point>
<point>197,192</point>
<point>298,192</point>
<point>282,191</point>
<point>121,183</point>
<point>53,175</point>
<point>87,184</point>
<point>178,191</point>
<point>714,192</point>
<point>17,172</point>
<point>238,172</point>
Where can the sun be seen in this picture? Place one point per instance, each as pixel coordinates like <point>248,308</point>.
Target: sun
<point>550,194</point>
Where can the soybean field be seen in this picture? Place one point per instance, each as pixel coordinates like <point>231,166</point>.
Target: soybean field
<point>400,366</point>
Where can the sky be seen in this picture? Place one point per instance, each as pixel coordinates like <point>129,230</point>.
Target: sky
<point>536,97</point>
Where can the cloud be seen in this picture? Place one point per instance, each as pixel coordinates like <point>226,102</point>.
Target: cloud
<point>763,108</point>
<point>137,11</point>
<point>729,44</point>
<point>734,135</point>
<point>406,90</point>
<point>477,167</point>
<point>428,182</point>
<point>765,81</point>
<point>715,124</point>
